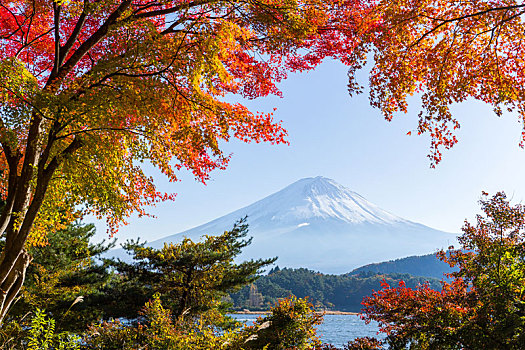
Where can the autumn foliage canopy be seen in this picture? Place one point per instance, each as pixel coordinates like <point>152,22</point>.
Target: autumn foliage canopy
<point>90,89</point>
<point>445,52</point>
<point>131,81</point>
<point>482,307</point>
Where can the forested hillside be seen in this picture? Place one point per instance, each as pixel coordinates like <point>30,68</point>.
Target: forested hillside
<point>332,292</point>
<point>425,265</point>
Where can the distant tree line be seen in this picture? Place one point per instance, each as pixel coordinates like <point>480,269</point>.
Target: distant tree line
<point>332,292</point>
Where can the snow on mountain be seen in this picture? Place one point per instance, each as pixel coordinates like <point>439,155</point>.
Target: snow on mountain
<point>319,224</point>
<point>317,198</point>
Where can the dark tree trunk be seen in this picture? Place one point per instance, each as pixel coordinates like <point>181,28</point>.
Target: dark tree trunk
<point>12,284</point>
<point>184,299</point>
<point>26,193</point>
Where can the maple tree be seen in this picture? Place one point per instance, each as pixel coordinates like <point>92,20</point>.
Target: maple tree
<point>89,89</point>
<point>446,52</point>
<point>483,307</point>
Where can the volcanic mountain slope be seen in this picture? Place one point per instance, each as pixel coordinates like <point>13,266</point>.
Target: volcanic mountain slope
<point>319,224</point>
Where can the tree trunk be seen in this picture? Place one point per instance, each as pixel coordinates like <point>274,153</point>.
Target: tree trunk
<point>184,300</point>
<point>26,194</point>
<point>12,284</point>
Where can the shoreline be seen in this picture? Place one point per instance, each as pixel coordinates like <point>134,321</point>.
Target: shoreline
<point>327,312</point>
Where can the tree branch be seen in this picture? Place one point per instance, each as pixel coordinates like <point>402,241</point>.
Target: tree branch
<point>170,10</point>
<point>87,45</point>
<point>56,19</point>
<point>74,35</point>
<point>460,18</point>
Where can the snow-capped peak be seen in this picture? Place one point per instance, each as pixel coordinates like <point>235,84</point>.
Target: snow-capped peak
<point>320,224</point>
<point>318,198</point>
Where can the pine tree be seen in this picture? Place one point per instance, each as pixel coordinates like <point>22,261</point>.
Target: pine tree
<point>191,277</point>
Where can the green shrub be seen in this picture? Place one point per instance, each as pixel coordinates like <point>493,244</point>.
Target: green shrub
<point>42,335</point>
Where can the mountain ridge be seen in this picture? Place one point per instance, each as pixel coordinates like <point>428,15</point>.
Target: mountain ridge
<point>428,265</point>
<point>319,224</point>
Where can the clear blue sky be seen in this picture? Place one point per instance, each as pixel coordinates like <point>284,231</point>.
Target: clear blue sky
<point>345,139</point>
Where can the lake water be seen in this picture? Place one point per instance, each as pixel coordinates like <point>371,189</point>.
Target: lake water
<point>336,329</point>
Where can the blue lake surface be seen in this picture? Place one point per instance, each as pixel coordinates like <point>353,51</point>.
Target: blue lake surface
<point>336,329</point>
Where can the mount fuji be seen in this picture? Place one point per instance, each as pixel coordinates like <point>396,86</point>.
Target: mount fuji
<point>319,224</point>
